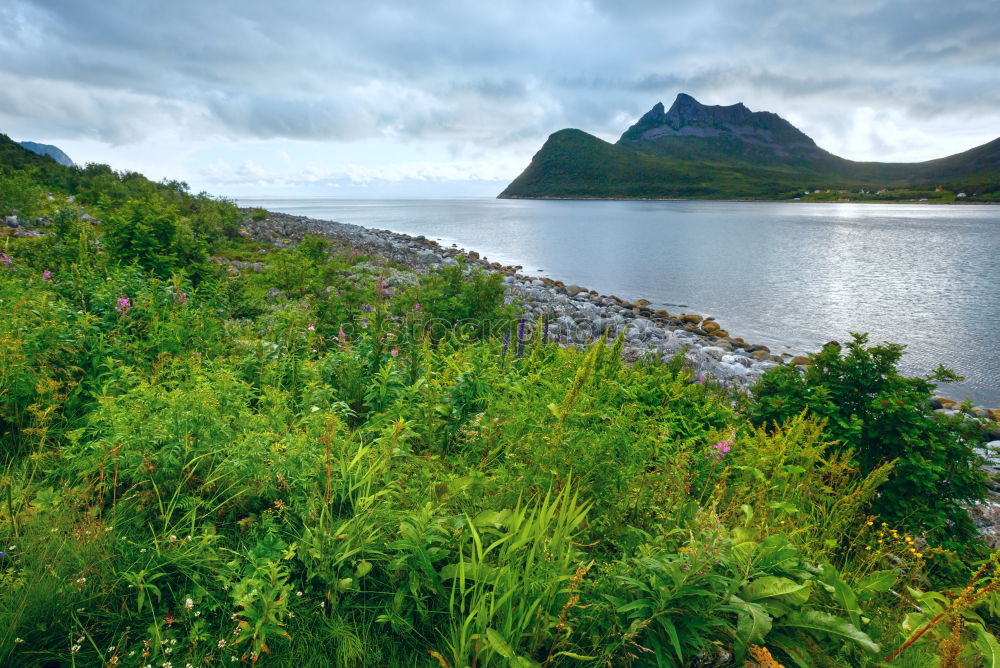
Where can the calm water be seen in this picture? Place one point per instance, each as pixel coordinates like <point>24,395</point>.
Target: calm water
<point>790,275</point>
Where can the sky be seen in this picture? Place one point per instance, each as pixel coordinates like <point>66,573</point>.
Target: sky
<point>442,98</point>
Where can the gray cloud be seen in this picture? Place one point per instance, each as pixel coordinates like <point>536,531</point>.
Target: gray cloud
<point>486,75</point>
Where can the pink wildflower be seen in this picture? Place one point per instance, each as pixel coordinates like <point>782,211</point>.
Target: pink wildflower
<point>6,260</point>
<point>394,352</point>
<point>46,275</point>
<point>416,307</point>
<point>124,305</point>
<point>311,327</point>
<point>342,337</point>
<point>721,448</point>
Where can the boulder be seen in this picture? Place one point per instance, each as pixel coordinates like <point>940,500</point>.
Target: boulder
<point>799,360</point>
<point>710,326</point>
<point>760,355</point>
<point>574,290</point>
<point>689,318</point>
<point>11,221</point>
<point>945,402</point>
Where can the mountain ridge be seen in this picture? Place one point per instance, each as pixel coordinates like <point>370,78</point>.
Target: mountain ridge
<point>726,152</point>
<point>51,151</point>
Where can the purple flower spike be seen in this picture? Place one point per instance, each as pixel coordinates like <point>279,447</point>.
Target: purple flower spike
<point>46,275</point>
<point>124,305</point>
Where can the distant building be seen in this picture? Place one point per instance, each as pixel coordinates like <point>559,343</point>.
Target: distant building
<point>938,189</point>
<point>960,195</point>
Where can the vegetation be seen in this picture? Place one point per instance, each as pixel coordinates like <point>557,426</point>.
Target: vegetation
<point>337,462</point>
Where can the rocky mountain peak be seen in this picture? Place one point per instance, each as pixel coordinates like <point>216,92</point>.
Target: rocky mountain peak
<point>686,109</point>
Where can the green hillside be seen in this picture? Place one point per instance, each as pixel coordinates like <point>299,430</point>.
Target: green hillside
<point>728,152</point>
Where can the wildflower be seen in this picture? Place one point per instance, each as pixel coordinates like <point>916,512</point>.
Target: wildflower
<point>6,260</point>
<point>221,644</point>
<point>173,539</point>
<point>46,275</point>
<point>721,448</point>
<point>74,649</point>
<point>124,305</point>
<point>189,604</point>
<point>394,352</point>
<point>298,593</point>
<point>416,306</point>
<point>197,613</point>
<point>311,327</point>
<point>18,641</point>
<point>167,664</point>
<point>342,337</point>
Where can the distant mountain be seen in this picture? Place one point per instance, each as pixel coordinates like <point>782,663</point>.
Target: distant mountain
<point>53,152</point>
<point>700,151</point>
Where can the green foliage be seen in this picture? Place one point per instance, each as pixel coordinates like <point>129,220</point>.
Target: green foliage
<point>293,463</point>
<point>880,416</point>
<point>20,196</point>
<point>458,301</point>
<point>151,233</point>
<point>258,214</point>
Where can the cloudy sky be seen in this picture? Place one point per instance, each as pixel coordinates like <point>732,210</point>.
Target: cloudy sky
<point>435,97</point>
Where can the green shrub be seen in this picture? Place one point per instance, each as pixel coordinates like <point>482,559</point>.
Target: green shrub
<point>152,233</point>
<point>880,416</point>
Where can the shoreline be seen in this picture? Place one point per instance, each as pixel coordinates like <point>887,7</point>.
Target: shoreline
<point>573,313</point>
<point>739,201</point>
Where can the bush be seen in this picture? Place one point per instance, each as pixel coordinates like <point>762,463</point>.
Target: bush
<point>452,297</point>
<point>258,214</point>
<point>882,416</point>
<point>151,233</point>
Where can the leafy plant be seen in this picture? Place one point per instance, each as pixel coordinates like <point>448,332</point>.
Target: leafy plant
<point>880,416</point>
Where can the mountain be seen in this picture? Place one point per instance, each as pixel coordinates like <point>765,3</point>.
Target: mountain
<point>703,151</point>
<point>53,152</point>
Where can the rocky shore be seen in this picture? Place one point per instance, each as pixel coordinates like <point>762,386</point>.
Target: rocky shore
<point>572,314</point>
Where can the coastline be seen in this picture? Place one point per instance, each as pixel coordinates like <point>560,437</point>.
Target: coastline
<point>573,313</point>
<point>741,201</point>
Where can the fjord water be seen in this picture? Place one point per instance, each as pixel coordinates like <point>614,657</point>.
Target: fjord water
<point>791,275</point>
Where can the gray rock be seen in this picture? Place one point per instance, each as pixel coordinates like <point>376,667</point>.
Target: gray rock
<point>11,221</point>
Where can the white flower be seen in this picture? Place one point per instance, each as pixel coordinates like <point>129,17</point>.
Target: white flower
<point>74,649</point>
<point>197,613</point>
<point>18,641</point>
<point>189,604</point>
<point>298,593</point>
<point>221,643</point>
